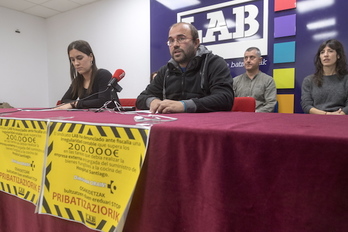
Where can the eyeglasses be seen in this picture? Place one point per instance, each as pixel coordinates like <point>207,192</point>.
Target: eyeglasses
<point>179,39</point>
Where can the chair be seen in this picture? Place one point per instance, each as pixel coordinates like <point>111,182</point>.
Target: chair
<point>130,102</point>
<point>276,108</point>
<point>244,104</point>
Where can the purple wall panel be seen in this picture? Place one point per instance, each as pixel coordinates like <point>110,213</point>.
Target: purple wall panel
<point>285,26</point>
<point>311,26</point>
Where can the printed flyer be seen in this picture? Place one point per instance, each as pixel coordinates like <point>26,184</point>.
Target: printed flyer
<point>22,149</point>
<point>91,172</point>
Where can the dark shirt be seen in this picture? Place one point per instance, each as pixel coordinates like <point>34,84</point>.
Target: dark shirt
<point>98,97</point>
<point>205,85</point>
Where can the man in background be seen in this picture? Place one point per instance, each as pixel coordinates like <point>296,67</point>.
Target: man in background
<point>194,79</point>
<point>256,84</point>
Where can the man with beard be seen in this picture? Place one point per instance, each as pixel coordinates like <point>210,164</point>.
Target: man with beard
<point>254,83</point>
<point>194,79</point>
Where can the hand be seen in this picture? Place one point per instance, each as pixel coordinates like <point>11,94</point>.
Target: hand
<point>166,106</point>
<point>338,112</point>
<point>316,111</point>
<point>64,107</point>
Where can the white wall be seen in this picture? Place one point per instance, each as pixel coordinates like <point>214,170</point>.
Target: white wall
<point>119,33</point>
<point>23,60</point>
<point>117,30</point>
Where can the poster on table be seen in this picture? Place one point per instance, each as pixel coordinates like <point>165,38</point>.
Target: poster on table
<point>91,172</point>
<point>22,145</point>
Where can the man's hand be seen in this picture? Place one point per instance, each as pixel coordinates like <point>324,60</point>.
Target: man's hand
<point>166,106</point>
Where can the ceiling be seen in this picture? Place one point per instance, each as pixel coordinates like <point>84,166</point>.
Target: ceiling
<point>44,8</point>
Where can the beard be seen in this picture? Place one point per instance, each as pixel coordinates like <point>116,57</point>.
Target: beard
<point>184,56</point>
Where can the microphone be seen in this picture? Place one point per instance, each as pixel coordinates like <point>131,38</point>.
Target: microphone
<point>118,75</point>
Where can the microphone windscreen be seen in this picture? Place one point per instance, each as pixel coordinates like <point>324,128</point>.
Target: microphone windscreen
<point>119,74</point>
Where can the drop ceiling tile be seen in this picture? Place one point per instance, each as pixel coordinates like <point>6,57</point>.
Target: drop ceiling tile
<point>41,11</point>
<point>83,2</point>
<point>18,5</point>
<point>61,5</point>
<point>44,8</point>
<point>37,1</point>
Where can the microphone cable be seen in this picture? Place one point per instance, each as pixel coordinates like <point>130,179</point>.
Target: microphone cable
<point>82,99</point>
<point>50,108</point>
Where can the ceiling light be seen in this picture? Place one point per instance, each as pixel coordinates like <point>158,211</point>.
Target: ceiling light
<point>325,35</point>
<point>178,4</point>
<point>311,5</point>
<point>321,24</point>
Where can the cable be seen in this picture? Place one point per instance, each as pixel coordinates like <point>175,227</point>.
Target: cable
<point>82,99</point>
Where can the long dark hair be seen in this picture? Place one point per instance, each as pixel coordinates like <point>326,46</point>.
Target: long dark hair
<point>76,78</point>
<point>341,63</point>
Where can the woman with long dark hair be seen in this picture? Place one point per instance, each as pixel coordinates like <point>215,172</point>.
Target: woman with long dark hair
<point>326,91</point>
<point>88,87</point>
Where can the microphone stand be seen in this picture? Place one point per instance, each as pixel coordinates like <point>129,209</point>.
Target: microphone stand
<point>113,99</point>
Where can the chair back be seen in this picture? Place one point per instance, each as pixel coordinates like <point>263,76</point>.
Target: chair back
<point>128,102</point>
<point>276,108</point>
<point>244,104</point>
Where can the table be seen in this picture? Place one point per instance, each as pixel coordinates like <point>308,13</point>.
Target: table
<point>247,172</point>
<point>18,215</point>
<point>226,171</point>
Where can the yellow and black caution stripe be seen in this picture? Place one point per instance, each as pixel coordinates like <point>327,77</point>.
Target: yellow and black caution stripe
<point>95,131</point>
<point>27,124</point>
<point>17,189</point>
<point>103,131</point>
<point>77,215</point>
<point>19,192</point>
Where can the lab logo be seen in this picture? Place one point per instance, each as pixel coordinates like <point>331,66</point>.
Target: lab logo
<point>91,219</point>
<point>229,28</point>
<point>21,191</point>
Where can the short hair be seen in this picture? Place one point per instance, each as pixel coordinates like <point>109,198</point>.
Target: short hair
<point>194,31</point>
<point>258,52</point>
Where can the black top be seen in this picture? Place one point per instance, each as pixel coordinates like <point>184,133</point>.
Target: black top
<point>100,93</point>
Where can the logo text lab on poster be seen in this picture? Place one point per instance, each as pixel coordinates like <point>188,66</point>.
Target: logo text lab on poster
<point>229,28</point>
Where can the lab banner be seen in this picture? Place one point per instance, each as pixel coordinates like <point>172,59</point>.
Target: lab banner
<point>22,145</point>
<point>91,172</point>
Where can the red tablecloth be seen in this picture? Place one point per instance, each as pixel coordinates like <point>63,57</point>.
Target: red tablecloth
<point>72,115</point>
<point>226,171</point>
<point>247,172</point>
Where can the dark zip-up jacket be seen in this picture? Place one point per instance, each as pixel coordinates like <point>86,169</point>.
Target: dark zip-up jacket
<point>205,86</point>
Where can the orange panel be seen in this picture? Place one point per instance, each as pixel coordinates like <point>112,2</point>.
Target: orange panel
<point>285,103</point>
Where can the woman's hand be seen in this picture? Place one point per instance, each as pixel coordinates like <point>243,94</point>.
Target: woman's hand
<point>316,111</point>
<point>338,112</point>
<point>65,106</point>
